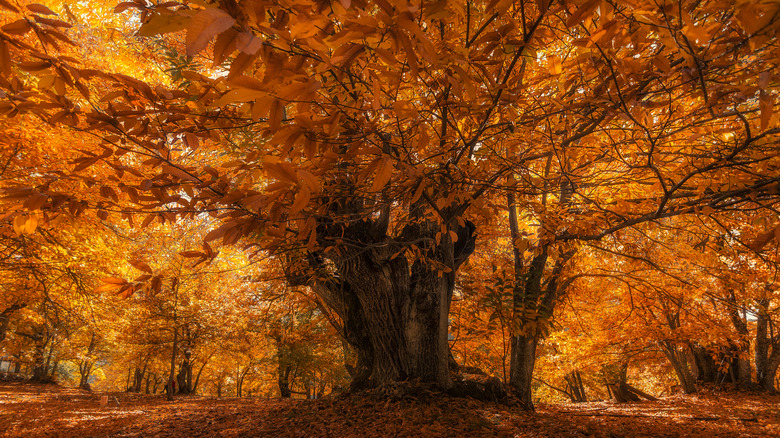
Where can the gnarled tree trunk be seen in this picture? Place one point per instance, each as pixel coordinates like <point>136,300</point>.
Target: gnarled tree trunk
<point>392,295</point>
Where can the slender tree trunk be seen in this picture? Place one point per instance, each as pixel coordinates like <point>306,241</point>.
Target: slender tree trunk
<point>197,378</point>
<point>534,301</point>
<point>576,388</point>
<point>172,373</point>
<point>85,366</point>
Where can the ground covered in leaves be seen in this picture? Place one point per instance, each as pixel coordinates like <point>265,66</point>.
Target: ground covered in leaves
<point>50,411</point>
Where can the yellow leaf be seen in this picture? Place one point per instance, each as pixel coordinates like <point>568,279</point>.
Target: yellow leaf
<point>107,287</point>
<point>5,59</point>
<point>275,115</point>
<point>17,27</point>
<point>160,24</point>
<point>19,224</point>
<point>418,192</point>
<point>554,65</point>
<point>579,15</point>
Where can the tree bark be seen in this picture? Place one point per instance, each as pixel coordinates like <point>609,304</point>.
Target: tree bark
<point>680,365</point>
<point>284,380</point>
<point>705,365</point>
<point>576,388</point>
<point>393,304</point>
<point>85,365</point>
<point>172,372</point>
<point>742,346</point>
<point>184,377</point>
<point>138,376</point>
<point>767,354</point>
<point>5,317</point>
<point>534,301</point>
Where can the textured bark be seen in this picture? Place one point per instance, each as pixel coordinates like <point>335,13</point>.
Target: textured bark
<point>534,297</point>
<point>184,377</point>
<point>576,389</point>
<point>5,317</point>
<point>679,363</point>
<point>521,367</point>
<point>171,382</point>
<point>767,350</point>
<point>705,368</point>
<point>283,379</point>
<point>85,365</point>
<point>393,306</point>
<point>138,376</point>
<point>741,370</point>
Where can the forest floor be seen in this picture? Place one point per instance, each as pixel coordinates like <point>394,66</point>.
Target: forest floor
<point>33,411</point>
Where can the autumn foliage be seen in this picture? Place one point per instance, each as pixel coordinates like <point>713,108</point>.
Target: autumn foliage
<point>507,200</point>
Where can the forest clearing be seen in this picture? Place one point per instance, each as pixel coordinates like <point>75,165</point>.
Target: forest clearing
<point>73,413</point>
<point>334,217</point>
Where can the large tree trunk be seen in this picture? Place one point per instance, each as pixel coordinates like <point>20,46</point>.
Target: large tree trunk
<point>283,379</point>
<point>393,304</point>
<point>742,370</point>
<point>5,317</point>
<point>679,362</point>
<point>706,369</point>
<point>767,362</point>
<point>521,367</point>
<point>184,377</point>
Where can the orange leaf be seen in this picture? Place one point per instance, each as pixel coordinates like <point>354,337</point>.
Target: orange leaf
<point>275,115</point>
<point>40,9</point>
<point>205,25</point>
<point>301,200</point>
<point>141,266</point>
<point>18,27</point>
<point>248,43</point>
<point>383,174</point>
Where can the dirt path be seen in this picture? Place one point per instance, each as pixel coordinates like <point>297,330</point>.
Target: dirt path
<point>50,411</point>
